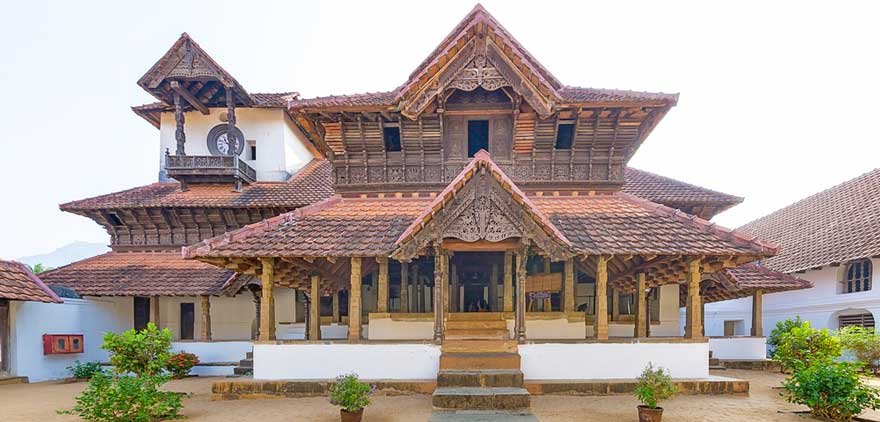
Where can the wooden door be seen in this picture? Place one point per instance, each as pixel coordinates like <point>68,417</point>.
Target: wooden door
<point>187,321</point>
<point>141,312</point>
<point>729,328</point>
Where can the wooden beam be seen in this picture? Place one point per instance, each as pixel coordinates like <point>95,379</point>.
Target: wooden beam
<point>189,97</point>
<point>456,245</point>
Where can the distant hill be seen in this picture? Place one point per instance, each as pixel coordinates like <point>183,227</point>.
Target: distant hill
<point>66,254</point>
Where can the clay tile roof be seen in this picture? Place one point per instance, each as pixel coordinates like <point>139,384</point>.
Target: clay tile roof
<point>624,224</point>
<point>834,226</point>
<point>671,192</point>
<point>745,280</point>
<point>140,274</point>
<point>17,282</point>
<point>311,184</point>
<point>573,94</point>
<point>353,100</point>
<point>151,112</point>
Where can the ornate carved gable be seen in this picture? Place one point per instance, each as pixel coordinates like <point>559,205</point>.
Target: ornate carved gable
<point>479,53</point>
<point>481,208</point>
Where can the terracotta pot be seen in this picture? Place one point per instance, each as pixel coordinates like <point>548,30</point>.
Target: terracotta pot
<point>352,416</point>
<point>647,414</point>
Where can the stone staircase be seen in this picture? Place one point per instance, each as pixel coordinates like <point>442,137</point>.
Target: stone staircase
<point>245,366</point>
<point>479,366</point>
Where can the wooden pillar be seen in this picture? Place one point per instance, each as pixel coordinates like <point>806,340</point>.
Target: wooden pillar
<point>757,314</point>
<point>354,300</point>
<point>374,282</point>
<point>615,305</point>
<point>508,282</point>
<point>382,293</point>
<point>315,317</point>
<point>418,290</point>
<point>641,320</point>
<point>440,280</point>
<point>155,315</point>
<point>694,325</point>
<point>255,333</point>
<point>336,307</point>
<point>230,120</point>
<point>568,287</point>
<point>179,120</point>
<point>493,288</point>
<point>600,325</point>
<point>454,293</point>
<point>520,322</point>
<point>205,334</point>
<point>267,301</point>
<point>404,287</point>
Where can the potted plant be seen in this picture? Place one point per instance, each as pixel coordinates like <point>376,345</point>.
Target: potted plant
<point>654,385</point>
<point>351,395</point>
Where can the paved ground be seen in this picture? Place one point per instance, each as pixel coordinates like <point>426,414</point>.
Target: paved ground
<point>37,402</point>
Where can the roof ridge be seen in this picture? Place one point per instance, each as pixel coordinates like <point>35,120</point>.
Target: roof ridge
<point>704,225</point>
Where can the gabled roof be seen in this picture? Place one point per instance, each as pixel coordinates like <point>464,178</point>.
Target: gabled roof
<point>152,112</point>
<point>140,274</point>
<point>186,60</point>
<point>689,198</point>
<point>17,282</point>
<point>745,280</point>
<point>834,226</point>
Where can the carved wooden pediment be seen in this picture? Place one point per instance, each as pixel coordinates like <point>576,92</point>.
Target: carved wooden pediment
<point>479,73</point>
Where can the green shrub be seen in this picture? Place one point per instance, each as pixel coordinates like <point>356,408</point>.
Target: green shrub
<point>831,390</point>
<point>179,364</point>
<point>84,370</point>
<point>654,385</point>
<point>142,352</point>
<point>782,328</point>
<point>804,344</point>
<point>863,343</point>
<point>349,393</point>
<point>126,398</point>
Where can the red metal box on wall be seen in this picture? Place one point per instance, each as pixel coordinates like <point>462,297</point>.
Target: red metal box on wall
<point>56,344</point>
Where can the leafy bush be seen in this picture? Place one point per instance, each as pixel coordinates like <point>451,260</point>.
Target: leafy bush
<point>84,370</point>
<point>126,398</point>
<point>831,390</point>
<point>179,364</point>
<point>349,393</point>
<point>782,328</point>
<point>804,344</point>
<point>863,343</point>
<point>654,385</point>
<point>142,352</point>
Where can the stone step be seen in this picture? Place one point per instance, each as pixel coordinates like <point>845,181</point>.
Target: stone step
<point>482,378</point>
<point>717,368</point>
<point>238,370</point>
<point>714,361</point>
<point>481,398</point>
<point>479,361</point>
<point>249,355</point>
<point>481,334</point>
<point>10,379</point>
<point>475,316</point>
<point>495,324</point>
<point>246,363</point>
<point>475,346</point>
<point>482,416</point>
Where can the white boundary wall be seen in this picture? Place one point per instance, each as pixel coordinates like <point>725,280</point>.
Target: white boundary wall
<point>326,361</point>
<point>750,348</point>
<point>214,352</point>
<point>559,361</point>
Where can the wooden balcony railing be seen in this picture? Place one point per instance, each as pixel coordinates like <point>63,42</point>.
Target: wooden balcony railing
<point>190,169</point>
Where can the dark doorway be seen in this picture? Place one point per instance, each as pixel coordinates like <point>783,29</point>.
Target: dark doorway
<point>187,321</point>
<point>478,136</point>
<point>4,336</point>
<point>141,312</point>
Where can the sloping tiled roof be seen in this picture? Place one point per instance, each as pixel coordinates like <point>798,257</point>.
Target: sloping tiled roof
<point>745,280</point>
<point>834,226</point>
<point>151,112</point>
<point>671,192</point>
<point>600,224</point>
<point>573,94</point>
<point>17,282</point>
<point>311,184</point>
<point>353,100</point>
<point>140,274</point>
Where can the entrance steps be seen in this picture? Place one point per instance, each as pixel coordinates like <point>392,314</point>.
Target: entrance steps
<point>245,366</point>
<point>479,368</point>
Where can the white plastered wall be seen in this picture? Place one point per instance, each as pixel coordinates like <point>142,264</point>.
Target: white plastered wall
<point>550,361</point>
<point>326,361</point>
<point>281,148</point>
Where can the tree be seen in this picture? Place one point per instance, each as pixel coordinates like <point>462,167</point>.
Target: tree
<point>38,268</point>
<point>863,343</point>
<point>804,344</point>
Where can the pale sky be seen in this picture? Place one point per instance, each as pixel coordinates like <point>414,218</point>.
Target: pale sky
<point>778,99</point>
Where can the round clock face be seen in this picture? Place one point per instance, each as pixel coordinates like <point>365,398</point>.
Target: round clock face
<point>220,142</point>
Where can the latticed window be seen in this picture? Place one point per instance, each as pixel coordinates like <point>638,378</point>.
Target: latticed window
<point>857,277</point>
<point>862,320</point>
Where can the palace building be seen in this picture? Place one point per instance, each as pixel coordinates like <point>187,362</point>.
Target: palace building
<point>481,216</point>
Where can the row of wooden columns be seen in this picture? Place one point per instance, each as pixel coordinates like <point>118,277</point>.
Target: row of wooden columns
<point>693,326</point>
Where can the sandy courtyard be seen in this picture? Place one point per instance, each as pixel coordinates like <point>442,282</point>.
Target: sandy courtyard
<point>37,402</point>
